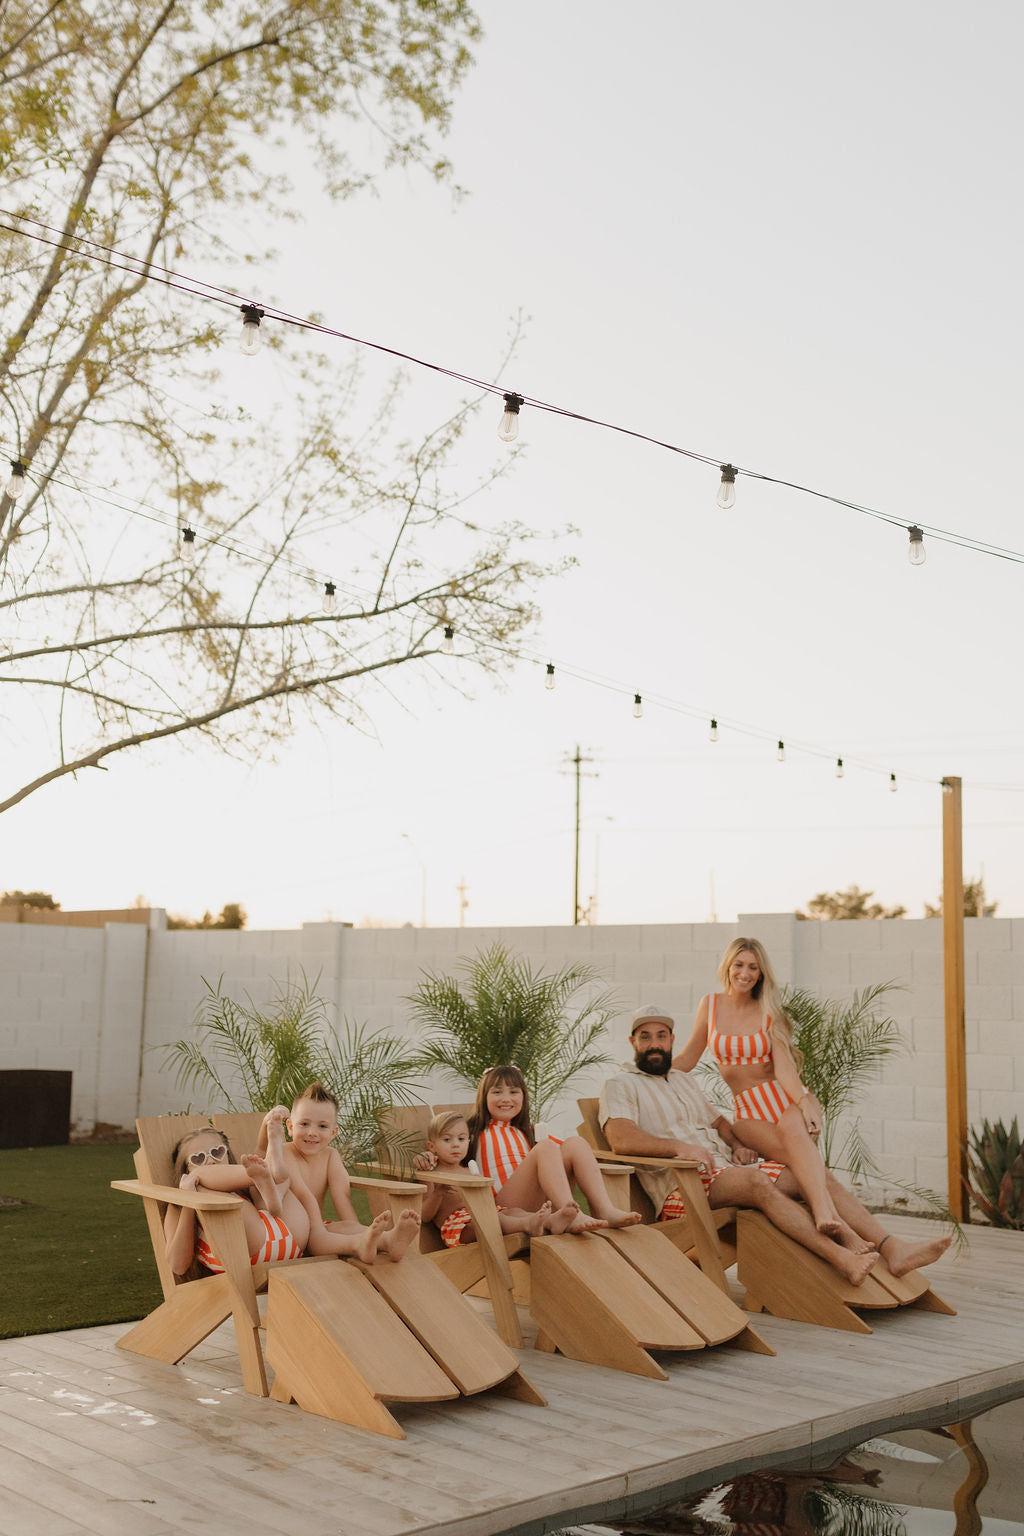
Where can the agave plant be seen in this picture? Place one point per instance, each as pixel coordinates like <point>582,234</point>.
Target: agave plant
<point>995,1160</point>
<point>241,1057</point>
<point>505,1013</point>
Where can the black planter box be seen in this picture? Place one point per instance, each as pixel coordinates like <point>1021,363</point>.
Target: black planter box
<point>35,1108</point>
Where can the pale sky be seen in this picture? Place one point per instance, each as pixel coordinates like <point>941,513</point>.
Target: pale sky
<point>786,236</point>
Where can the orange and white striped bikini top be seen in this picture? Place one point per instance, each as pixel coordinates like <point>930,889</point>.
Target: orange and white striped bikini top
<point>739,1050</point>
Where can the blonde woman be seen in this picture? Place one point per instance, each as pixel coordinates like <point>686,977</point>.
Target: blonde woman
<point>746,1029</point>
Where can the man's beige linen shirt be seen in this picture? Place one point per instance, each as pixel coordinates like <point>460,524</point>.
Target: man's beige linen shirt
<point>671,1106</point>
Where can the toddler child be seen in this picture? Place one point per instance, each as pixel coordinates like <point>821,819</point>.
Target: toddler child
<point>447,1150</point>
<point>527,1172</point>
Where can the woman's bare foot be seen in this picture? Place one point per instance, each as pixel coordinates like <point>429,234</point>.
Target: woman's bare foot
<point>853,1241</point>
<point>903,1257</point>
<point>854,1266</point>
<point>562,1219</point>
<point>262,1180</point>
<point>369,1240</point>
<point>401,1235</point>
<point>826,1219</point>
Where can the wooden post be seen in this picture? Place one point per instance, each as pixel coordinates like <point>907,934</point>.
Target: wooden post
<point>953,984</point>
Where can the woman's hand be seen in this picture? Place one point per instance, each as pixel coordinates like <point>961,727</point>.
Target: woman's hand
<point>810,1109</point>
<point>743,1156</point>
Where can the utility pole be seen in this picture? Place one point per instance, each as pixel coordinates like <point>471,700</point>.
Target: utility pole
<point>462,888</point>
<point>577,760</point>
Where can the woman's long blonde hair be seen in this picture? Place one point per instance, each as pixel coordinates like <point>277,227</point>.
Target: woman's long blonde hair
<point>766,991</point>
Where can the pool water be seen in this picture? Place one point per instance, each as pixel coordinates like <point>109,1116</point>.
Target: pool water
<point>965,1480</point>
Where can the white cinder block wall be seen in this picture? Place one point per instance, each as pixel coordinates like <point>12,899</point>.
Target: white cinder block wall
<point>100,1002</point>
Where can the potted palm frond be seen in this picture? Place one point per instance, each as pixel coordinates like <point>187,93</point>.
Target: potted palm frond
<point>502,1012</point>
<point>243,1057</point>
<point>995,1161</point>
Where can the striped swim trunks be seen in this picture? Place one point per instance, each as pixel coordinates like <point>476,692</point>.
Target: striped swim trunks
<point>674,1206</point>
<point>453,1227</point>
<point>278,1244</point>
<point>764,1101</point>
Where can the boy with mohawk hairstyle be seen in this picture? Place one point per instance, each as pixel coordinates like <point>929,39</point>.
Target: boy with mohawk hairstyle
<point>313,1125</point>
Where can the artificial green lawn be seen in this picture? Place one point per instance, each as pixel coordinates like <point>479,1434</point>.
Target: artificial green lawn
<point>77,1253</point>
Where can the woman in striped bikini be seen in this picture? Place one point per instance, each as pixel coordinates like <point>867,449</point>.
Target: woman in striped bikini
<point>747,1030</point>
<point>526,1172</point>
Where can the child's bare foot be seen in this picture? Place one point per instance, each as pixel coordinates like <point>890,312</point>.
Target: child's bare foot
<point>275,1145</point>
<point>535,1223</point>
<point>585,1223</point>
<point>613,1217</point>
<point>562,1219</point>
<point>405,1230</point>
<point>369,1240</point>
<point>262,1180</point>
<point>855,1266</point>
<point>903,1257</point>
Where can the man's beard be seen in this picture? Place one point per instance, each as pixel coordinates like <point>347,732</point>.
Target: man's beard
<point>655,1062</point>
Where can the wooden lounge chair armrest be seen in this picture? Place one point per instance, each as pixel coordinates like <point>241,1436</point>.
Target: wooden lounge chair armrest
<point>620,1165</point>
<point>391,1186</point>
<point>647,1162</point>
<point>198,1199</point>
<point>463,1180</point>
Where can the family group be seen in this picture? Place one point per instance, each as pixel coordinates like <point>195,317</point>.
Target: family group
<point>765,1158</point>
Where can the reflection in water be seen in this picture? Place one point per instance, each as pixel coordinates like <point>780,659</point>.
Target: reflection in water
<point>839,1501</point>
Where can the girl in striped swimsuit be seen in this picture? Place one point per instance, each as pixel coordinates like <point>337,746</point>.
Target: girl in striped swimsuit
<point>525,1172</point>
<point>751,1038</point>
<point>276,1221</point>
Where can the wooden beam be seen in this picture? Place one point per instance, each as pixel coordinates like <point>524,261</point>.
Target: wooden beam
<point>953,985</point>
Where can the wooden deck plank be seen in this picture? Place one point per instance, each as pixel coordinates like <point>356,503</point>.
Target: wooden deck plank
<point>90,1432</point>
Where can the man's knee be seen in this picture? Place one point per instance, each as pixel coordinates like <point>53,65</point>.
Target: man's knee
<point>742,1186</point>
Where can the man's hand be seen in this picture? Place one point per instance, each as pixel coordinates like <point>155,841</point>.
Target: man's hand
<point>696,1154</point>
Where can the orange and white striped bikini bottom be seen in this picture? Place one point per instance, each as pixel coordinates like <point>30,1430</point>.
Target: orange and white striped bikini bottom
<point>278,1244</point>
<point>675,1207</point>
<point>764,1101</point>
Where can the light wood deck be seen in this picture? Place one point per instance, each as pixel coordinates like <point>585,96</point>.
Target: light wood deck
<point>96,1440</point>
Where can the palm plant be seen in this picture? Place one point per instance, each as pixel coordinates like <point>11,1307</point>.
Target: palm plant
<point>241,1057</point>
<point>843,1044</point>
<point>995,1160</point>
<point>505,1013</point>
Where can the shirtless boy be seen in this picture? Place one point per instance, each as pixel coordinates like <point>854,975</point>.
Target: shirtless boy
<point>312,1125</point>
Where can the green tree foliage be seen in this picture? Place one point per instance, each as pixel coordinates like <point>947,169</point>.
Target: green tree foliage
<point>232,915</point>
<point>829,906</point>
<point>41,900</point>
<point>976,903</point>
<point>504,1013</point>
<point>138,138</point>
<point>243,1057</point>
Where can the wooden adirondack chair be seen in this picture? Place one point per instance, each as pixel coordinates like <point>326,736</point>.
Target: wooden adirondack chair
<point>342,1338</point>
<point>778,1274</point>
<point>607,1298</point>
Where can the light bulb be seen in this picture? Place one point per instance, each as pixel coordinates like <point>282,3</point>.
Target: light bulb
<point>781,754</point>
<point>188,545</point>
<point>330,597</point>
<point>251,317</point>
<point>638,707</point>
<point>917,553</point>
<point>448,643</point>
<point>893,786</point>
<point>713,733</point>
<point>840,770</point>
<point>549,680</point>
<point>508,426</point>
<point>727,489</point>
<point>16,483</point>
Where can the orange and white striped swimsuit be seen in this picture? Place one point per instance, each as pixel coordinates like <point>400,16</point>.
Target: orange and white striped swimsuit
<point>762,1101</point>
<point>279,1244</point>
<point>499,1152</point>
